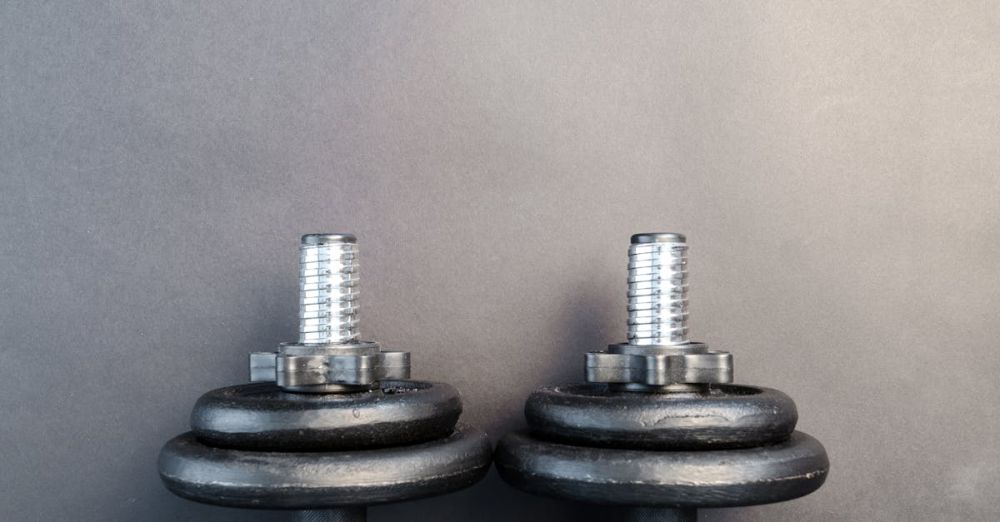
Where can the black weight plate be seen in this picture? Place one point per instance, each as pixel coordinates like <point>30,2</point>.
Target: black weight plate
<point>730,416</point>
<point>262,416</point>
<point>626,477</point>
<point>317,480</point>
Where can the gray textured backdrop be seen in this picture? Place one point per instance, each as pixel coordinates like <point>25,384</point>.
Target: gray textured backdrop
<point>835,166</point>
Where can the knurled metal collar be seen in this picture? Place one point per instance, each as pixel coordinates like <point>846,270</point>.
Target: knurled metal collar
<point>659,365</point>
<point>328,368</point>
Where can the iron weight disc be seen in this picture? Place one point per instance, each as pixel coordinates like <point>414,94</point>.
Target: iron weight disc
<point>723,478</point>
<point>318,480</point>
<point>730,416</point>
<point>263,417</point>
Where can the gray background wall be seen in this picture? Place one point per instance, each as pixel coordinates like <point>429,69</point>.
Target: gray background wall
<point>835,166</point>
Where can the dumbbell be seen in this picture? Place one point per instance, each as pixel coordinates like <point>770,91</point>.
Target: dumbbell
<point>658,429</point>
<point>330,424</point>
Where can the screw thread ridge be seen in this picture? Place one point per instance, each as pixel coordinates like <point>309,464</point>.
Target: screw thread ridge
<point>657,291</point>
<point>328,289</point>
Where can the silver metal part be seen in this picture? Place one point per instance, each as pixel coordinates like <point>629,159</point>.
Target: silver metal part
<point>328,293</point>
<point>328,358</point>
<point>657,289</point>
<point>658,355</point>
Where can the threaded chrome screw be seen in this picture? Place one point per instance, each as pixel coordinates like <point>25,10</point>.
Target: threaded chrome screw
<point>328,289</point>
<point>658,356</point>
<point>657,289</point>
<point>329,357</point>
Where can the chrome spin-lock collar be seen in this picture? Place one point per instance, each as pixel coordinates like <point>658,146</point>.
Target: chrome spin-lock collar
<point>658,355</point>
<point>328,358</point>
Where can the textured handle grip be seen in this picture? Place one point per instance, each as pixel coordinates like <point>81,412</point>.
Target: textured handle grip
<point>661,515</point>
<point>348,514</point>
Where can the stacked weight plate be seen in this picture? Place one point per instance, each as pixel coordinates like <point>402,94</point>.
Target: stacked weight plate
<point>662,455</point>
<point>330,455</point>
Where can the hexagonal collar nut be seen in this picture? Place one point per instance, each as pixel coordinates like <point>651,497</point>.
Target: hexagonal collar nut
<point>328,368</point>
<point>659,365</point>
